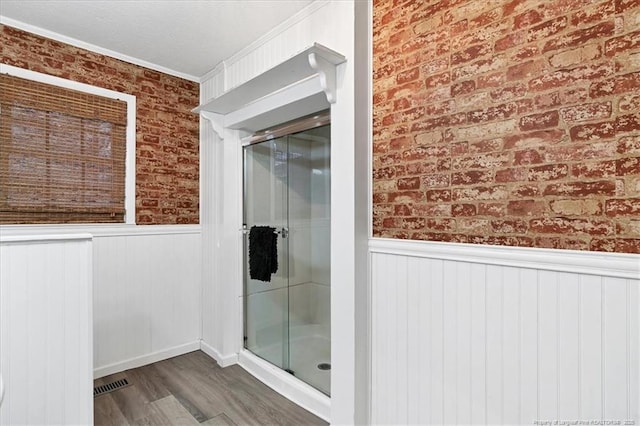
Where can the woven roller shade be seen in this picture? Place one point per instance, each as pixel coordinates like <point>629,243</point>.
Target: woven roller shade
<point>62,154</point>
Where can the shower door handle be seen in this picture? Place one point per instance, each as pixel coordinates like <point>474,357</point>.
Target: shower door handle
<point>283,232</point>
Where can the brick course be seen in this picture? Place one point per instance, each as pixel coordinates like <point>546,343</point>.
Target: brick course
<point>167,135</point>
<point>508,122</point>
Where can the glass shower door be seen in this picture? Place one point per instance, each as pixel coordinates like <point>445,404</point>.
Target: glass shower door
<point>287,186</point>
<point>266,204</point>
<point>309,256</point>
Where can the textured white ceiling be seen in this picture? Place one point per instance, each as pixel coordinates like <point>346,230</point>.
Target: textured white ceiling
<point>189,37</point>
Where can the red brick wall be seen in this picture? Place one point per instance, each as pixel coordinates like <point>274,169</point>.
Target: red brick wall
<point>510,122</point>
<point>167,136</point>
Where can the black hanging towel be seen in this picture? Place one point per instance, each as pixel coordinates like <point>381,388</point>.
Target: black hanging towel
<point>263,253</point>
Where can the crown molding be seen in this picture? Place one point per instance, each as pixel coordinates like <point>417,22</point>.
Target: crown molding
<point>93,48</point>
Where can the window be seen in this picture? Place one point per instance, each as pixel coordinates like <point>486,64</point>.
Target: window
<point>62,154</point>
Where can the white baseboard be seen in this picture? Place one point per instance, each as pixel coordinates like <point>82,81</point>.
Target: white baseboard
<point>222,360</point>
<point>145,359</point>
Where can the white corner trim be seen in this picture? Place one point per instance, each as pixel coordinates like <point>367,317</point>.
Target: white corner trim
<point>222,360</point>
<point>620,265</point>
<point>93,48</point>
<point>139,361</point>
<point>130,160</point>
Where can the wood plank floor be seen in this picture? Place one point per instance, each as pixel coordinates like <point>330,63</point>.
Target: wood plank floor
<point>192,389</point>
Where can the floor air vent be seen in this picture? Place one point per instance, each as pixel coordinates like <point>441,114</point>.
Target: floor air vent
<point>110,387</point>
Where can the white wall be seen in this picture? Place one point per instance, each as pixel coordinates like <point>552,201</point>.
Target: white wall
<point>45,330</point>
<point>147,295</point>
<point>147,290</point>
<point>502,335</point>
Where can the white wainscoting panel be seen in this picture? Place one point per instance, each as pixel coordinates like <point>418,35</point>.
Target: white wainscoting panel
<point>147,297</point>
<point>45,330</point>
<point>147,291</point>
<point>477,341</point>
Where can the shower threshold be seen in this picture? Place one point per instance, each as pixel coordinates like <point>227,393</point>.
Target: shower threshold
<point>287,385</point>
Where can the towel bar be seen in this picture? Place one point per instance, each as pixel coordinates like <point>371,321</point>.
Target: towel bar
<point>282,231</point>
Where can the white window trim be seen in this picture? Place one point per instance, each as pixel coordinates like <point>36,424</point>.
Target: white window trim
<point>130,159</point>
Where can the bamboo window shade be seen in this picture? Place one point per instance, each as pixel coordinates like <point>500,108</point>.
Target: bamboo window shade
<point>62,154</point>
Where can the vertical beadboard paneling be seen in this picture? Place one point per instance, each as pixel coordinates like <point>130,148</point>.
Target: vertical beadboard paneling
<point>548,345</point>
<point>568,346</point>
<point>591,347</point>
<point>528,317</point>
<point>376,338</point>
<point>208,180</point>
<point>147,298</point>
<point>391,298</point>
<point>413,360</point>
<point>494,349</point>
<point>615,386</point>
<point>436,337</point>
<point>463,343</point>
<point>511,346</point>
<point>78,359</point>
<point>502,341</point>
<point>422,340</point>
<point>402,337</point>
<point>477,289</point>
<point>45,330</point>
<point>378,354</point>
<point>450,349</point>
<point>633,302</point>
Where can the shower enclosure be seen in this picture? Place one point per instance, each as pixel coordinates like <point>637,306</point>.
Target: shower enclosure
<point>287,187</point>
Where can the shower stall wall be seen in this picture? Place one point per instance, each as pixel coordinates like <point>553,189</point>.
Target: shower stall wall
<point>287,318</point>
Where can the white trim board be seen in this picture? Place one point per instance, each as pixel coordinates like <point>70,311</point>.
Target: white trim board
<point>93,48</point>
<point>96,230</point>
<point>130,160</point>
<point>145,359</point>
<point>619,265</point>
<point>25,239</point>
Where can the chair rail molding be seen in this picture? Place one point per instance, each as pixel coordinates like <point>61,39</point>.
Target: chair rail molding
<point>619,265</point>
